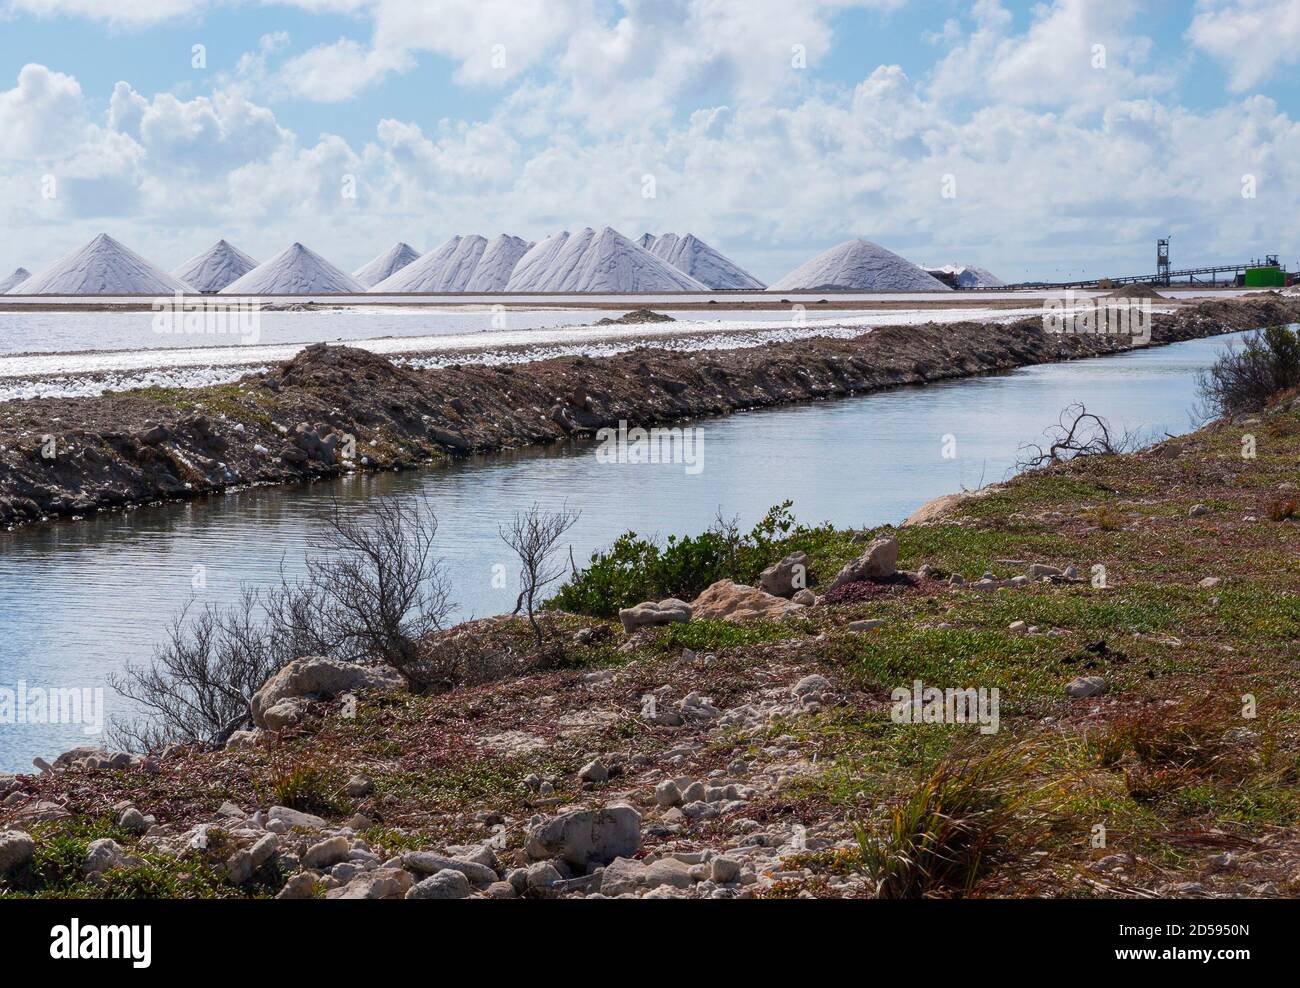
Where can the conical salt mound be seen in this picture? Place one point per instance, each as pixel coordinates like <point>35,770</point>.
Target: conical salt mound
<point>612,263</point>
<point>567,258</point>
<point>858,265</point>
<point>14,280</point>
<point>447,269</point>
<point>386,264</point>
<point>533,266</point>
<point>460,268</point>
<point>215,268</point>
<point>102,267</point>
<point>702,262</point>
<point>497,264</point>
<point>966,276</point>
<point>296,270</point>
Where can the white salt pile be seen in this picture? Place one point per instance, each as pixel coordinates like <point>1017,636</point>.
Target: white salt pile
<point>858,265</point>
<point>386,264</point>
<point>102,267</point>
<point>706,265</point>
<point>966,276</point>
<point>498,263</point>
<point>14,280</point>
<point>532,267</point>
<point>447,269</point>
<point>461,265</point>
<point>567,259</point>
<point>597,262</point>
<point>215,268</point>
<point>297,270</point>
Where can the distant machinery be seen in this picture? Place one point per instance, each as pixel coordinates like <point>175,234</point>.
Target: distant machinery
<point>1267,273</point>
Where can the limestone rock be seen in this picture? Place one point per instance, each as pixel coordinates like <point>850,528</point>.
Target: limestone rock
<point>1085,687</point>
<point>103,855</point>
<point>652,614</point>
<point>382,883</point>
<point>936,511</point>
<point>16,850</point>
<point>728,601</point>
<point>786,578</point>
<point>446,884</point>
<point>327,852</point>
<point>319,678</point>
<point>294,818</point>
<point>878,563</point>
<point>586,838</point>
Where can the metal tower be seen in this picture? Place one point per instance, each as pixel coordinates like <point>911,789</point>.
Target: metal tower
<point>1162,261</point>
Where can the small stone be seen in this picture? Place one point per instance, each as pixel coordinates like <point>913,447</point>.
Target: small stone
<point>1198,511</point>
<point>382,883</point>
<point>293,818</point>
<point>593,771</point>
<point>543,875</point>
<point>501,890</point>
<point>428,863</point>
<point>810,685</point>
<point>725,870</point>
<point>878,563</point>
<point>1085,687</point>
<point>805,598</point>
<point>358,786</point>
<point>1209,583</point>
<point>133,820</point>
<point>102,855</point>
<point>667,794</point>
<point>1018,628</point>
<point>694,792</point>
<point>299,886</point>
<point>862,627</point>
<point>668,871</point>
<point>446,884</point>
<point>327,852</point>
<point>16,850</point>
<point>264,850</point>
<point>239,867</point>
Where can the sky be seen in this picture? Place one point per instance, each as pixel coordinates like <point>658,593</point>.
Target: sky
<point>1040,140</point>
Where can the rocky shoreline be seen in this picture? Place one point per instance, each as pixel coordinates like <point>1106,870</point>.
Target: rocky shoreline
<point>333,410</point>
<point>746,743</point>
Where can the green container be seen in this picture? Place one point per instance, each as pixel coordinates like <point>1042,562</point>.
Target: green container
<point>1265,278</point>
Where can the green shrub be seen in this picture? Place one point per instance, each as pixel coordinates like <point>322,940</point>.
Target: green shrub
<point>1246,376</point>
<point>970,812</point>
<point>637,569</point>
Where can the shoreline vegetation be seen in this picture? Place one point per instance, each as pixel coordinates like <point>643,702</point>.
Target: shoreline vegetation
<point>769,735</point>
<point>335,409</point>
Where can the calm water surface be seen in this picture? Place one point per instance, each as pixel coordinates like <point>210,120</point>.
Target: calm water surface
<point>77,600</point>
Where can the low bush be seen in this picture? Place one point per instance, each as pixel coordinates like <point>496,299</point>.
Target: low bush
<point>971,811</point>
<point>1248,374</point>
<point>636,569</point>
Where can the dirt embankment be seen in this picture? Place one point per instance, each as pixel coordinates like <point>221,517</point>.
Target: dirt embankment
<point>335,409</point>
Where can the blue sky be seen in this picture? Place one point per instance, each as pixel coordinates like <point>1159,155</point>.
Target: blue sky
<point>488,116</point>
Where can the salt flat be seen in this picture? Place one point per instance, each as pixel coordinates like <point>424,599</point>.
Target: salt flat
<point>92,371</point>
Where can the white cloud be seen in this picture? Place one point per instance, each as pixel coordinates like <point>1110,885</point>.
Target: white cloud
<point>42,116</point>
<point>131,13</point>
<point>1077,54</point>
<point>1252,37</point>
<point>336,72</point>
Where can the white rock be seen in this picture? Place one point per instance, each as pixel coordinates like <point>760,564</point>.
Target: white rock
<point>1085,687</point>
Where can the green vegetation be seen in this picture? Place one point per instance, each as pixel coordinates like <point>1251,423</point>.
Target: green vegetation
<point>636,569</point>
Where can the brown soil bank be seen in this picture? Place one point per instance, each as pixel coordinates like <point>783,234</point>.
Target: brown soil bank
<point>334,409</point>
